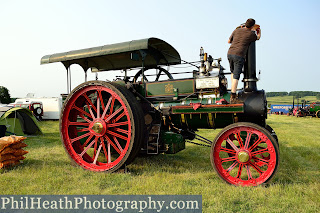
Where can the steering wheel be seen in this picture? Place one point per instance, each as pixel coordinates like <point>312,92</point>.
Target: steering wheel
<point>157,74</point>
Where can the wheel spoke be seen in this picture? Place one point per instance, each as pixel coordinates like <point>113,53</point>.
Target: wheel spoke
<point>107,106</point>
<point>84,118</point>
<point>95,148</point>
<point>114,146</point>
<point>119,117</point>
<point>232,166</point>
<point>248,172</point>
<point>246,145</point>
<point>256,167</point>
<point>88,147</point>
<point>91,113</point>
<point>158,75</point>
<point>260,160</point>
<point>97,155</point>
<point>80,137</point>
<point>113,114</point>
<point>87,141</point>
<point>83,130</point>
<point>101,99</point>
<point>239,139</point>
<point>117,135</point>
<point>121,131</point>
<point>223,149</point>
<point>111,106</point>
<point>70,123</point>
<point>223,160</point>
<point>109,153</point>
<point>255,144</point>
<point>98,107</point>
<point>261,151</point>
<point>232,145</point>
<point>118,124</point>
<point>117,142</point>
<point>104,148</point>
<point>89,101</point>
<point>240,170</point>
<point>82,111</point>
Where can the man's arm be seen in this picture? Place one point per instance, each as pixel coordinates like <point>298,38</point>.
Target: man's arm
<point>259,34</point>
<point>231,38</point>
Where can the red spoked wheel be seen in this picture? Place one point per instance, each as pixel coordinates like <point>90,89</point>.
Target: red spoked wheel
<point>100,126</point>
<point>245,154</point>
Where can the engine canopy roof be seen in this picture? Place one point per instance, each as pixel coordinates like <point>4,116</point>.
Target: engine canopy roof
<point>148,52</point>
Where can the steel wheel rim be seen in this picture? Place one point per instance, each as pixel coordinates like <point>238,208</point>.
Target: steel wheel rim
<point>105,128</point>
<point>261,153</point>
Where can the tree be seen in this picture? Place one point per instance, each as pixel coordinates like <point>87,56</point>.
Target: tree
<point>318,96</point>
<point>4,95</point>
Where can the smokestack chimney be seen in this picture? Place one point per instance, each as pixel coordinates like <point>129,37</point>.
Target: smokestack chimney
<point>250,78</point>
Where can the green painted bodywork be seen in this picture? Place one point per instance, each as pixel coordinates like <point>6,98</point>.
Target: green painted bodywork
<point>173,141</point>
<point>170,88</point>
<point>208,109</point>
<point>220,116</point>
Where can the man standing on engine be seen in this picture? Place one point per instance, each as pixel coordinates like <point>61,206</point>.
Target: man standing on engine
<point>240,40</point>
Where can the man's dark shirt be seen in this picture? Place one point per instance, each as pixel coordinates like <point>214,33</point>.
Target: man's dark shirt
<point>240,41</point>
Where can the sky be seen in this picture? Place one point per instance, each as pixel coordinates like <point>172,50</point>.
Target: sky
<point>287,53</point>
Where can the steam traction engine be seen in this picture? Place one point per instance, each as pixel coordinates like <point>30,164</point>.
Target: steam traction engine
<point>104,125</point>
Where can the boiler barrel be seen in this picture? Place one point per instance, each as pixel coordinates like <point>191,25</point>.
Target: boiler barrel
<point>253,109</point>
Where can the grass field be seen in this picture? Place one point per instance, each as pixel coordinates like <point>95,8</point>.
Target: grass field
<point>295,188</point>
<point>288,100</point>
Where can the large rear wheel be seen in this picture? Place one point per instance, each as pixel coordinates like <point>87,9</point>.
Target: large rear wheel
<point>245,154</point>
<point>101,126</point>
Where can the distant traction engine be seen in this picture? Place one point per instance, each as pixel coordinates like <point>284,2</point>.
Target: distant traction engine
<point>104,125</point>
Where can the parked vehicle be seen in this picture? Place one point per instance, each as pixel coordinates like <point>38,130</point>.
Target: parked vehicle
<point>51,107</point>
<point>35,107</point>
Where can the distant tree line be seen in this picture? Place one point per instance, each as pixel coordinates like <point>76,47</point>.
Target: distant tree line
<point>296,94</point>
<point>273,94</point>
<point>4,95</point>
<point>300,94</point>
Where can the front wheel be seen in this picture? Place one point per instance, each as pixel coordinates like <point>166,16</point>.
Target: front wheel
<point>245,154</point>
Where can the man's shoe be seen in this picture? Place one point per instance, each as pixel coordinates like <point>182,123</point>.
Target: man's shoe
<point>235,100</point>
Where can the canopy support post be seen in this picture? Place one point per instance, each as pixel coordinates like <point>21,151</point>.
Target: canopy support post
<point>143,56</point>
<point>68,80</point>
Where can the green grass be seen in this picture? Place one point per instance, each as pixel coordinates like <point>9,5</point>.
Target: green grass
<point>288,99</point>
<point>295,187</point>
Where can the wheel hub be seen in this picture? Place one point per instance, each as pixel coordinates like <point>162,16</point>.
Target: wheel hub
<point>97,127</point>
<point>243,156</point>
